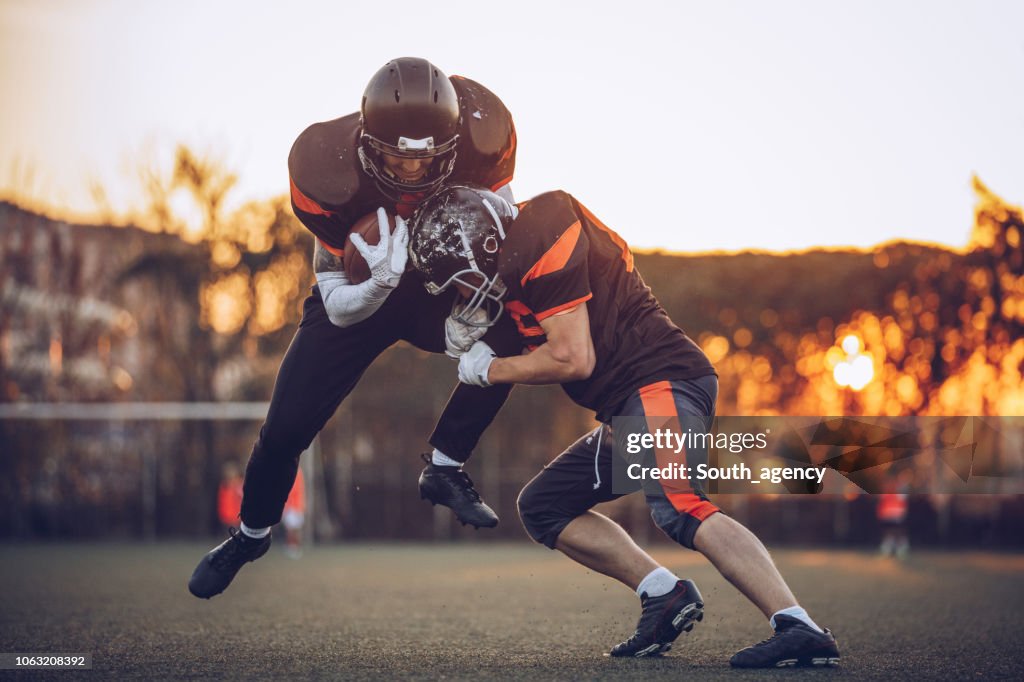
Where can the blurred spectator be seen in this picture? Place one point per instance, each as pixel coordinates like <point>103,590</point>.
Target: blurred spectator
<point>892,516</point>
<point>229,495</point>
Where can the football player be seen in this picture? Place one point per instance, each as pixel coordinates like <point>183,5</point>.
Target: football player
<point>416,128</point>
<point>590,323</point>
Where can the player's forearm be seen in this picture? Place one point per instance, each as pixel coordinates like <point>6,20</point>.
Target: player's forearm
<point>545,365</point>
<point>346,303</point>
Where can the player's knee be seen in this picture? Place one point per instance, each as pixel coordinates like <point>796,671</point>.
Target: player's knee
<point>542,522</point>
<point>529,512</point>
<point>281,444</point>
<point>680,517</point>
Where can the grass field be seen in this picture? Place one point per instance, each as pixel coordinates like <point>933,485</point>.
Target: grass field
<point>486,611</point>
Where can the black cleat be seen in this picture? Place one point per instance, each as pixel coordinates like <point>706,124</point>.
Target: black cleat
<point>452,487</point>
<point>218,568</point>
<point>794,644</point>
<point>662,620</point>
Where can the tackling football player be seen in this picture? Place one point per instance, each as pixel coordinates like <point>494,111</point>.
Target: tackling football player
<point>591,324</point>
<point>416,128</point>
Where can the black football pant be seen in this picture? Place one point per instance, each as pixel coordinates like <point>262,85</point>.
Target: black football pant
<point>322,366</point>
<point>581,476</point>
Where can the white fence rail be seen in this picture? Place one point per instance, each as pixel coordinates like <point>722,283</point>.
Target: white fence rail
<point>174,411</point>
<point>134,411</point>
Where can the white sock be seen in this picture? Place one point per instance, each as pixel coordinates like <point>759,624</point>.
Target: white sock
<point>257,533</point>
<point>442,460</point>
<point>658,582</point>
<point>798,613</point>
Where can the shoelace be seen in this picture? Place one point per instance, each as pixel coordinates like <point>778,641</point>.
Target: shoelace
<point>463,481</point>
<point>778,633</point>
<point>467,483</point>
<point>634,641</point>
<point>228,557</point>
<point>646,615</point>
<point>637,639</point>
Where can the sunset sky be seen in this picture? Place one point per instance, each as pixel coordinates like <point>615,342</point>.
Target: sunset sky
<point>684,125</point>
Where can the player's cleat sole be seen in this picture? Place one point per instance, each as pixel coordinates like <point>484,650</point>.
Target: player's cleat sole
<point>453,488</point>
<point>219,567</point>
<point>662,620</point>
<point>815,661</point>
<point>794,645</point>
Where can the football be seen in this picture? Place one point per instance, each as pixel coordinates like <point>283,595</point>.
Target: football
<point>368,227</point>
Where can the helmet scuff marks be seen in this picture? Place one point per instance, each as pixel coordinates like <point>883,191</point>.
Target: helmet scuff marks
<point>455,239</point>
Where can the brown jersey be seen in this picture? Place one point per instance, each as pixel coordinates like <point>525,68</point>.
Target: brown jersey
<point>558,255</point>
<point>330,191</point>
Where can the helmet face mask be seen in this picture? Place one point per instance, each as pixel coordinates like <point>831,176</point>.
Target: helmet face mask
<point>410,110</point>
<point>410,148</point>
<point>456,239</point>
<point>486,297</point>
<point>372,150</point>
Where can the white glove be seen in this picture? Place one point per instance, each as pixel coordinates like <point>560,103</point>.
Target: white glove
<point>475,364</point>
<point>459,336</point>
<point>387,259</point>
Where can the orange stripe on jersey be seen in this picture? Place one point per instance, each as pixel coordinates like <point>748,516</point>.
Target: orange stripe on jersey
<point>337,252</point>
<point>627,255</point>
<point>660,410</point>
<point>304,203</point>
<point>557,256</point>
<point>518,310</point>
<point>501,183</point>
<point>527,330</point>
<point>562,308</point>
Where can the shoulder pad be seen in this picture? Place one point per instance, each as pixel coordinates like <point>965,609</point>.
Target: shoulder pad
<point>541,221</point>
<point>551,211</point>
<point>487,136</point>
<point>324,163</point>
